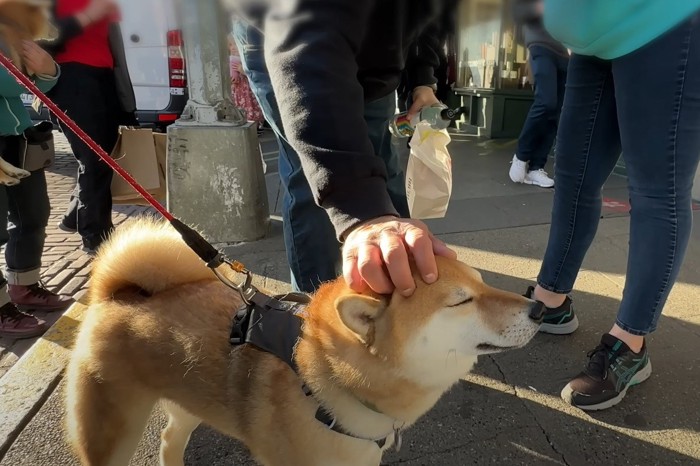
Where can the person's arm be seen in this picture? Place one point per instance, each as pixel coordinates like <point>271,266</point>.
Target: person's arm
<point>37,61</point>
<point>423,59</point>
<point>310,49</point>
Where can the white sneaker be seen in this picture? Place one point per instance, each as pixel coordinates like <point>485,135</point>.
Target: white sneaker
<point>518,170</point>
<point>539,178</point>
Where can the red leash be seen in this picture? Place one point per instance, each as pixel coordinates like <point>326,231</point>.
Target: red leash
<point>208,253</point>
<point>65,119</point>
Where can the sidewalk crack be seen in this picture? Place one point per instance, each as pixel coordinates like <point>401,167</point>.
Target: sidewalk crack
<point>532,413</point>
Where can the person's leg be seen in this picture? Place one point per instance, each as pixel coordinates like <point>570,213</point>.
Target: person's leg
<point>659,116</point>
<point>28,210</point>
<point>377,116</point>
<point>538,132</point>
<point>88,96</point>
<point>660,132</point>
<point>13,323</point>
<point>313,250</point>
<point>551,101</point>
<point>588,148</point>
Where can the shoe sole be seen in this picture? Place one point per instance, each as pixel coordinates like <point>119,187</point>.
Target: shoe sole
<point>638,378</point>
<point>514,180</point>
<point>532,183</point>
<point>560,329</point>
<point>66,229</point>
<point>26,308</point>
<point>23,336</point>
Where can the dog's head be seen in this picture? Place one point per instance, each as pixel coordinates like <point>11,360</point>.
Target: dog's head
<point>436,334</point>
<point>31,17</point>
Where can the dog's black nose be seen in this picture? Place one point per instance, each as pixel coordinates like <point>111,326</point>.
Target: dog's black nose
<point>536,311</point>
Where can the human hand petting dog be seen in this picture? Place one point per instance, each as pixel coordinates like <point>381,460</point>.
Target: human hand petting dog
<point>37,60</point>
<point>376,255</point>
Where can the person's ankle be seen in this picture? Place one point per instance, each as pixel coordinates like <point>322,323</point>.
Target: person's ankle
<point>548,298</point>
<point>634,342</point>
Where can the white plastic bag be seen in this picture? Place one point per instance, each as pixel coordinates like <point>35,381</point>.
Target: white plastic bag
<point>429,173</point>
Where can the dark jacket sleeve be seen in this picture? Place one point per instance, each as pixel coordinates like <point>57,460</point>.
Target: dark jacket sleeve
<point>525,11</point>
<point>310,49</point>
<point>424,57</point>
<point>68,28</point>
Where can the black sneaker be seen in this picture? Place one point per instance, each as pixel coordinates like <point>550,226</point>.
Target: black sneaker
<point>612,368</point>
<point>560,320</point>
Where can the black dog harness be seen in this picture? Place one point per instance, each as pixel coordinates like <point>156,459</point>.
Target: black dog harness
<point>274,325</point>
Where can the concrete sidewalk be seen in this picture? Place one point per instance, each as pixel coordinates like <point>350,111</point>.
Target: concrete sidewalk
<point>508,411</point>
<point>66,267</point>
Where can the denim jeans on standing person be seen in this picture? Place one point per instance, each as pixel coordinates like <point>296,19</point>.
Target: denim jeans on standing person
<point>313,250</point>
<point>24,213</point>
<point>540,128</point>
<point>647,105</point>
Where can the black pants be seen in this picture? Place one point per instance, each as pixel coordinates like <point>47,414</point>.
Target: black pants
<point>89,96</point>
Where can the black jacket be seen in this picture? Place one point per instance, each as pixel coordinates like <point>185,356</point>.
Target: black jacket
<point>326,58</point>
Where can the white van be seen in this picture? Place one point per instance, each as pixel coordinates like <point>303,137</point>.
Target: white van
<point>155,58</point>
<point>156,61</point>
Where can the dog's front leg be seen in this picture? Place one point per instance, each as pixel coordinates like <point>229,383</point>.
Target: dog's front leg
<point>176,434</point>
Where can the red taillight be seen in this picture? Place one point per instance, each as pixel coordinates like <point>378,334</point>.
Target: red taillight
<point>167,117</point>
<point>176,60</point>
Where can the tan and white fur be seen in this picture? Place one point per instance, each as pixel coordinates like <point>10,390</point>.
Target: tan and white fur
<point>22,20</point>
<point>157,330</point>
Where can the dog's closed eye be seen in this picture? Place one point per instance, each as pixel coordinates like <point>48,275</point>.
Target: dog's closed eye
<point>462,302</point>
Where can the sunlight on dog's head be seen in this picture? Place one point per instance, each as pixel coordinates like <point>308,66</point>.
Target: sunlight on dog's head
<point>437,333</point>
<point>32,16</point>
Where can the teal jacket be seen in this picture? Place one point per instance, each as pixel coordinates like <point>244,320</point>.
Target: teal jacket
<point>612,28</point>
<point>14,118</point>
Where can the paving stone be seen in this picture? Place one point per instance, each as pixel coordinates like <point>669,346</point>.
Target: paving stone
<point>61,278</point>
<point>73,286</point>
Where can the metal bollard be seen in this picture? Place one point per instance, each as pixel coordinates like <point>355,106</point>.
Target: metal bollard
<point>215,174</point>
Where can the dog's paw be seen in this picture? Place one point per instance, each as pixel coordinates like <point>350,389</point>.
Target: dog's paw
<point>9,181</point>
<point>18,173</point>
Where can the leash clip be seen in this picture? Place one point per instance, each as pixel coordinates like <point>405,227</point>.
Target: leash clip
<point>245,288</point>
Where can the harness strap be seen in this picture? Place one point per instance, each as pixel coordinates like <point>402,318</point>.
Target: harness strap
<point>273,324</point>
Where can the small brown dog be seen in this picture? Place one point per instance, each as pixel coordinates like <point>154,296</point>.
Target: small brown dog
<point>158,328</point>
<point>21,20</point>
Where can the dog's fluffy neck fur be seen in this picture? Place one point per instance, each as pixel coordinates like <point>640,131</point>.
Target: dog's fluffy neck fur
<point>330,353</point>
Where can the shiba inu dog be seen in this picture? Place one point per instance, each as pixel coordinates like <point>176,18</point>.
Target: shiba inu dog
<point>157,330</point>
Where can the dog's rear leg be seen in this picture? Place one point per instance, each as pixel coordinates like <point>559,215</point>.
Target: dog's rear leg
<point>105,419</point>
<point>176,434</point>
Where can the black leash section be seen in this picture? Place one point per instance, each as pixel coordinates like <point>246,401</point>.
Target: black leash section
<point>208,253</point>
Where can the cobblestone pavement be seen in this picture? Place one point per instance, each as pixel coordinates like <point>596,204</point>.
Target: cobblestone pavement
<point>66,268</point>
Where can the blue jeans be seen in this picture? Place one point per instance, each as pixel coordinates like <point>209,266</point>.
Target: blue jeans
<point>652,115</point>
<point>24,213</point>
<point>540,128</point>
<point>313,251</point>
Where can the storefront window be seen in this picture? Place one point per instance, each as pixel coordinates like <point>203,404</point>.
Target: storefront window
<point>491,51</point>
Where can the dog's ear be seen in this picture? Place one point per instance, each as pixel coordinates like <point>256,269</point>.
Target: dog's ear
<point>358,313</point>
